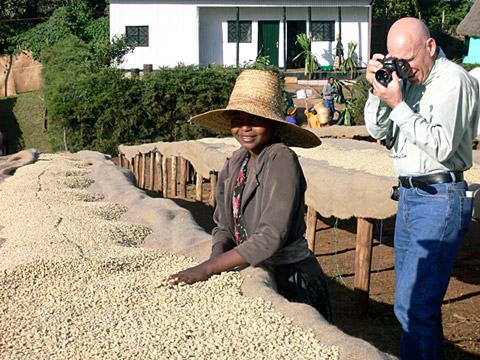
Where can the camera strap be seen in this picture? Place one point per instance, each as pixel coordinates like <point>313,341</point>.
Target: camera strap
<point>393,130</point>
<point>392,136</point>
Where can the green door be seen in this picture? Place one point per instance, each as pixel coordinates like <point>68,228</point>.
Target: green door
<point>268,40</point>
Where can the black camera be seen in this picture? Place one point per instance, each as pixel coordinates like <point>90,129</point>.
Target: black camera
<point>391,65</point>
<point>395,193</point>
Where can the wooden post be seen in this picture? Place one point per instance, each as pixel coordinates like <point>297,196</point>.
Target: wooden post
<point>131,165</point>
<point>311,228</point>
<point>164,177</point>
<point>151,180</point>
<point>198,187</point>
<point>363,264</point>
<point>136,166</point>
<point>158,167</point>
<point>173,177</point>
<point>44,120</point>
<point>144,171</point>
<point>189,173</point>
<point>183,178</point>
<point>213,187</point>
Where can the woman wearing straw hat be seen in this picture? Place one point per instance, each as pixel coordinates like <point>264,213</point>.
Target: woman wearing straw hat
<point>260,211</point>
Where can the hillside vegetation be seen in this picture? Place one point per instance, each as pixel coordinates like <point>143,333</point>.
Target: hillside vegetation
<point>21,117</point>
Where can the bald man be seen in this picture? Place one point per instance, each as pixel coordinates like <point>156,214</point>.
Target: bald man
<point>429,120</point>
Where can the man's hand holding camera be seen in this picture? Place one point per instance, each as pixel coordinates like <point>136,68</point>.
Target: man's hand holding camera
<point>392,93</point>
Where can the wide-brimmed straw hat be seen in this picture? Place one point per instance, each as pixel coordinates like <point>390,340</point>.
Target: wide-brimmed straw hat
<point>258,93</point>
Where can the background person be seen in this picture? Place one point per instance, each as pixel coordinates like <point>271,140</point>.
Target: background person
<point>260,209</point>
<point>434,116</point>
<point>329,92</point>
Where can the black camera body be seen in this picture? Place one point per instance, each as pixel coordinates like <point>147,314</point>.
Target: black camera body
<point>391,65</point>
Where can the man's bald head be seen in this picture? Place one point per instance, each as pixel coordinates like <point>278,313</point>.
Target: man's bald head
<point>409,39</point>
<point>407,30</point>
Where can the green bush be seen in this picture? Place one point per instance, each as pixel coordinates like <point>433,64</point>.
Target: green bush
<point>360,93</point>
<point>173,95</point>
<point>99,108</point>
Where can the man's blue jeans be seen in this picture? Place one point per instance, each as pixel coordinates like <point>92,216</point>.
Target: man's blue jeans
<point>430,225</point>
<point>329,104</point>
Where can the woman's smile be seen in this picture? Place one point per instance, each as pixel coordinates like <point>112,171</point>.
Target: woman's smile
<point>251,132</point>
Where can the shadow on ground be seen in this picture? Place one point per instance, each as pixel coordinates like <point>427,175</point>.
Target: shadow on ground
<point>9,125</point>
<point>335,250</point>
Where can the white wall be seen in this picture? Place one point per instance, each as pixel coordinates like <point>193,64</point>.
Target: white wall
<point>214,45</point>
<point>355,28</point>
<point>198,35</point>
<point>325,50</point>
<point>173,32</point>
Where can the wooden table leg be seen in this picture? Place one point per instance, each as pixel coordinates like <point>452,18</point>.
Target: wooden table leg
<point>198,188</point>
<point>143,173</point>
<point>183,178</point>
<point>165,173</point>
<point>311,227</point>
<point>137,170</point>
<point>173,177</point>
<point>151,174</point>
<point>213,188</point>
<point>363,263</point>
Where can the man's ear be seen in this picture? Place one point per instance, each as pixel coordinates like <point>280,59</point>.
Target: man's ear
<point>431,46</point>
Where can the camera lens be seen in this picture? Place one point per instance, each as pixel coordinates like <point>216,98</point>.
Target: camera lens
<point>383,76</point>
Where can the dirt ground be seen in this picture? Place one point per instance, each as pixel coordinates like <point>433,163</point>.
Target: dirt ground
<point>335,250</point>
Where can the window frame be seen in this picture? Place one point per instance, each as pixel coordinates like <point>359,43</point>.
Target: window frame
<point>136,42</point>
<point>232,38</point>
<point>329,37</point>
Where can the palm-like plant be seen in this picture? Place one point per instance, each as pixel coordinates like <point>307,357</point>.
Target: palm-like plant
<point>351,62</point>
<point>346,116</point>
<point>311,62</point>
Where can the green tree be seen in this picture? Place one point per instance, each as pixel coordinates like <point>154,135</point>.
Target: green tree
<point>442,15</point>
<point>394,9</point>
<point>18,16</point>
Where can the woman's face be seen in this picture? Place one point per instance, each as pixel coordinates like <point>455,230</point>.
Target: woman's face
<point>251,132</point>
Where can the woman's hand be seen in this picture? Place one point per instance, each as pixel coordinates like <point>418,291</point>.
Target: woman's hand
<point>202,272</point>
<point>191,275</point>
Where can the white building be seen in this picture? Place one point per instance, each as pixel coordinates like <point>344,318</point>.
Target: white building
<point>204,32</point>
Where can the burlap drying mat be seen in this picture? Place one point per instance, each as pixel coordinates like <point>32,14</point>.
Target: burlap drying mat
<point>10,163</point>
<point>345,177</point>
<point>205,155</point>
<point>184,237</point>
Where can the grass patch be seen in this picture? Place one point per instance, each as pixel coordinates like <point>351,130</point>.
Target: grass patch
<point>21,121</point>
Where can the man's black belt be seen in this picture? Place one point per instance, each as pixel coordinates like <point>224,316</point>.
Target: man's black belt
<point>425,180</point>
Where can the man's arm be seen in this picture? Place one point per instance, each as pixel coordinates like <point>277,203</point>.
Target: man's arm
<point>376,111</point>
<point>451,111</point>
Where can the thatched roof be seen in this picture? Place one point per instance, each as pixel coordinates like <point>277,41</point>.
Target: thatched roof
<point>470,26</point>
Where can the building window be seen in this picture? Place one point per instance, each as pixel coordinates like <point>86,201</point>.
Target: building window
<point>245,31</point>
<point>137,35</point>
<point>323,30</point>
